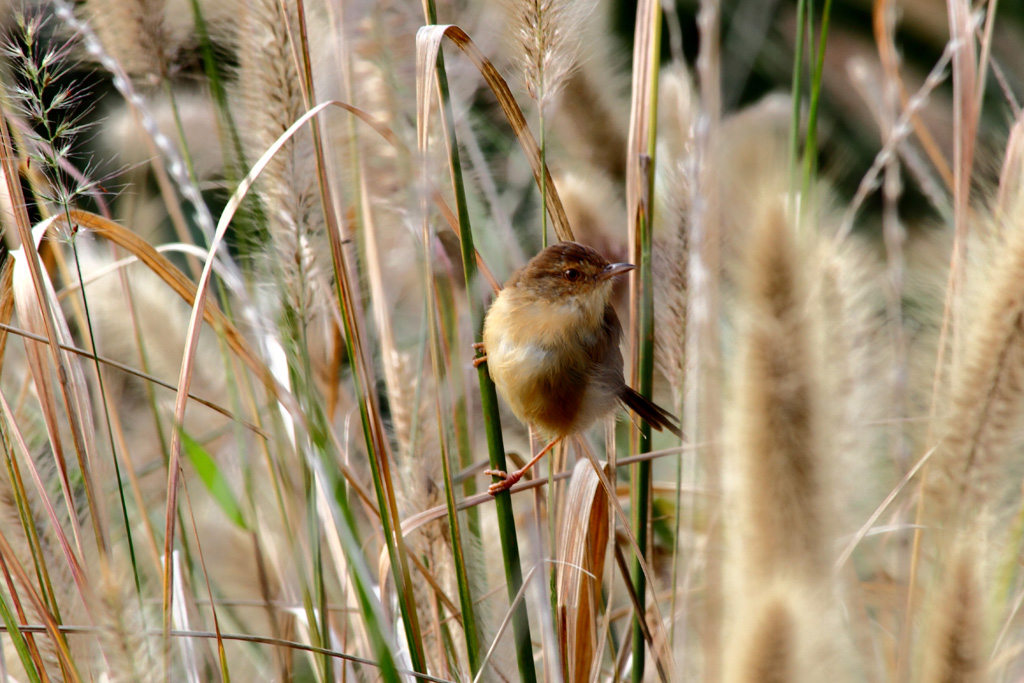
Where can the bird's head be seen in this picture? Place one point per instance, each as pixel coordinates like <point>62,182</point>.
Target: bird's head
<point>570,272</point>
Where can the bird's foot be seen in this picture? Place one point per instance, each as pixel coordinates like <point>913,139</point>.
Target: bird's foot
<point>479,348</point>
<point>507,480</point>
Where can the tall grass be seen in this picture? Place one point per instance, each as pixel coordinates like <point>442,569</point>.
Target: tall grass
<point>246,260</point>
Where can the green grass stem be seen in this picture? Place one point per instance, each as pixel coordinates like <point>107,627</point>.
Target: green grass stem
<point>438,357</point>
<point>797,84</point>
<point>641,475</point>
<point>488,394</point>
<point>811,142</point>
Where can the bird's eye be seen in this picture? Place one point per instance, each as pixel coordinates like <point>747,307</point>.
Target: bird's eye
<point>571,274</point>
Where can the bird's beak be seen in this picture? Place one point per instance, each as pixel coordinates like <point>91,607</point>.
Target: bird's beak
<point>613,269</point>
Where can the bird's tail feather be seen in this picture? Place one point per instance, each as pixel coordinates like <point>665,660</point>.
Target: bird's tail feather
<point>652,413</point>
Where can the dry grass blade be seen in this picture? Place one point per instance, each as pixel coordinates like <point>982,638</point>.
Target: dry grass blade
<point>953,316</point>
<point>243,638</point>
<point>885,38</point>
<point>109,362</point>
<point>643,106</point>
<point>870,522</point>
<point>192,653</point>
<point>192,345</point>
<point>900,130</point>
<point>428,44</point>
<point>966,108</point>
<point>581,556</point>
<point>1013,165</point>
<point>437,552</point>
<point>640,169</point>
<point>74,563</point>
<point>209,592</point>
<point>12,562</point>
<point>191,348</point>
<point>6,303</point>
<point>853,411</point>
<point>43,317</point>
<point>665,662</point>
<point>177,281</point>
<point>44,309</point>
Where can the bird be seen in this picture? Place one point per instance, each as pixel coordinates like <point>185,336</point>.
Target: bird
<point>551,344</point>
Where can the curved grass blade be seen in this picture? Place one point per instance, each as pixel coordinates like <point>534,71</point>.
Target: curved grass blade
<point>367,600</point>
<point>429,66</point>
<point>429,38</point>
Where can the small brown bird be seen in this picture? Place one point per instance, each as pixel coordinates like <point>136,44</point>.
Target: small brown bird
<point>551,342</point>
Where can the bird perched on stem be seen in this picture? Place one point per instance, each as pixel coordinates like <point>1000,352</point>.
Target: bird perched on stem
<point>551,343</point>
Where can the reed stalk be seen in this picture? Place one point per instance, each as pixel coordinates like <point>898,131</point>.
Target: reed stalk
<point>488,394</point>
<point>811,141</point>
<point>640,190</point>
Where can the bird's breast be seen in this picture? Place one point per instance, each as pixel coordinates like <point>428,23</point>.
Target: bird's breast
<point>531,362</point>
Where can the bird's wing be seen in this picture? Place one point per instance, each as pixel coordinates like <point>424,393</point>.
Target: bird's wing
<point>605,355</point>
<point>609,359</point>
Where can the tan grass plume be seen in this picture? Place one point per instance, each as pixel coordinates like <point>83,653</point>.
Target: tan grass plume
<point>270,87</point>
<point>126,647</point>
<point>860,380</point>
<point>671,253</point>
<point>547,39</point>
<point>596,211</point>
<point>671,256</point>
<point>590,115</point>
<point>783,521</point>
<point>984,403</point>
<point>156,39</point>
<point>135,33</point>
<point>954,646</point>
<point>766,652</point>
<point>788,631</point>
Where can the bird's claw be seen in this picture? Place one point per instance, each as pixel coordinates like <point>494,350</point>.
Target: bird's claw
<point>479,348</point>
<point>507,481</point>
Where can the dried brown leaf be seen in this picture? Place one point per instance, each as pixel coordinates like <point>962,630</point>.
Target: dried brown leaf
<point>581,554</point>
<point>428,45</point>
